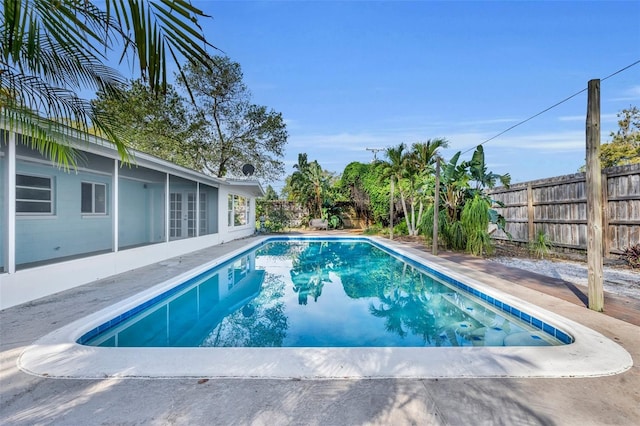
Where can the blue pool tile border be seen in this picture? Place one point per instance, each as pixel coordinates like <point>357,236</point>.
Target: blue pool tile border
<point>512,311</point>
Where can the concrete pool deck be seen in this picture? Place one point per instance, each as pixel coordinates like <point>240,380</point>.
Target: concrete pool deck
<point>28,399</point>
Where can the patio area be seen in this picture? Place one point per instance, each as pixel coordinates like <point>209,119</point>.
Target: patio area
<point>27,399</point>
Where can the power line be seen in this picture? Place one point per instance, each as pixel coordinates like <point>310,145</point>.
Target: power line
<point>551,107</point>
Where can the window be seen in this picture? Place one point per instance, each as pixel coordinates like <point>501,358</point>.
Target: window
<point>34,194</point>
<point>238,210</point>
<point>94,198</point>
<point>204,220</point>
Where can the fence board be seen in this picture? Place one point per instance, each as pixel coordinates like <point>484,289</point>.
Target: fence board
<point>558,207</point>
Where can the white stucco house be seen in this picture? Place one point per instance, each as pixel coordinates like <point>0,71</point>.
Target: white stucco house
<point>61,229</point>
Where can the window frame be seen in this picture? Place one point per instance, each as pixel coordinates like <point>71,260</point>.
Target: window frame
<point>93,211</point>
<point>233,201</point>
<point>50,201</point>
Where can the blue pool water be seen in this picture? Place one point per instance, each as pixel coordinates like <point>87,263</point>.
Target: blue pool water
<point>323,293</point>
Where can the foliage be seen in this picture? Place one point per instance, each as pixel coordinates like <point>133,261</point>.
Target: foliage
<point>310,186</point>
<point>275,217</point>
<point>420,167</point>
<point>475,223</point>
<point>352,186</point>
<point>394,170</point>
<point>632,256</point>
<point>624,147</point>
<point>479,173</point>
<point>541,245</point>
<point>51,51</point>
<point>152,124</point>
<point>231,130</point>
<point>401,228</point>
<point>270,193</point>
<point>466,211</point>
<point>374,229</point>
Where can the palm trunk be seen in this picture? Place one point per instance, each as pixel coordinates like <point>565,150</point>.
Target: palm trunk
<point>420,211</point>
<point>391,209</point>
<point>404,209</point>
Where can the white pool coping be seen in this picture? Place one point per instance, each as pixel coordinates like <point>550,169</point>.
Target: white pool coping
<point>58,355</point>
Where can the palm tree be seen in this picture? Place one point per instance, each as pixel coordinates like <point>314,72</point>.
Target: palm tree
<point>394,169</point>
<point>51,50</point>
<point>318,181</point>
<point>298,184</point>
<point>422,158</point>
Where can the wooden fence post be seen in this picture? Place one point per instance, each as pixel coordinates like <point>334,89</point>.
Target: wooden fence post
<point>606,235</point>
<point>594,199</point>
<point>530,212</point>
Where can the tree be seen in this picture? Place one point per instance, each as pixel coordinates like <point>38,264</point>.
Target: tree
<point>308,185</point>
<point>395,169</point>
<point>463,224</point>
<point>156,125</point>
<point>624,147</point>
<point>270,194</point>
<point>297,186</point>
<point>420,165</point>
<point>235,131</point>
<point>51,50</point>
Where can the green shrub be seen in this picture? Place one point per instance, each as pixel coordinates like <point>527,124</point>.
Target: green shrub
<point>373,230</point>
<point>401,228</point>
<point>475,220</point>
<point>541,245</point>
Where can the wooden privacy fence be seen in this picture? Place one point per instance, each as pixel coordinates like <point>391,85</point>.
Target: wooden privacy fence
<point>558,207</point>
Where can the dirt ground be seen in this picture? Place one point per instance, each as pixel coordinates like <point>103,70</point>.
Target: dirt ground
<point>619,277</point>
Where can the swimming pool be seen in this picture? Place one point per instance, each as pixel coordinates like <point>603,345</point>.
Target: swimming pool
<point>588,353</point>
<point>323,293</point>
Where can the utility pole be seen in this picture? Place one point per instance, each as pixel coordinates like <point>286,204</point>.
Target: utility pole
<point>594,199</point>
<point>375,152</point>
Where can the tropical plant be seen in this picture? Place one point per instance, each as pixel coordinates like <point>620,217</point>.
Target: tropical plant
<point>541,245</point>
<point>52,50</point>
<point>475,222</point>
<point>479,173</point>
<point>310,186</point>
<point>632,255</point>
<point>352,185</point>
<point>420,170</point>
<point>394,170</point>
<point>463,222</point>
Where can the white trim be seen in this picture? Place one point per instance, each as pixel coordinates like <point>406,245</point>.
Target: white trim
<point>45,162</point>
<point>167,193</point>
<point>197,218</point>
<point>10,206</point>
<point>93,211</point>
<point>590,355</point>
<point>115,194</point>
<point>32,283</point>
<point>51,189</point>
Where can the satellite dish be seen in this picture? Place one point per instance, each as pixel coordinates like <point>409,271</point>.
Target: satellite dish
<point>248,169</point>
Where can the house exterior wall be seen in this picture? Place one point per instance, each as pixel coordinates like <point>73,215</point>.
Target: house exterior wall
<point>54,251</point>
<point>141,218</point>
<point>228,233</point>
<point>65,232</point>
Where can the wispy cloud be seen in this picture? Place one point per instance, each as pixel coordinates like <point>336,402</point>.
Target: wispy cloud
<point>603,117</point>
<point>630,94</point>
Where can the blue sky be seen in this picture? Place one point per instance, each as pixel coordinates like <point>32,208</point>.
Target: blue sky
<point>353,75</point>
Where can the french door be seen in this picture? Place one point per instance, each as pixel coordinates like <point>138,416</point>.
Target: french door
<point>182,215</point>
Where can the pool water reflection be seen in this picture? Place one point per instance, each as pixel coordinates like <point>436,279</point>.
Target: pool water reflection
<point>313,293</point>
